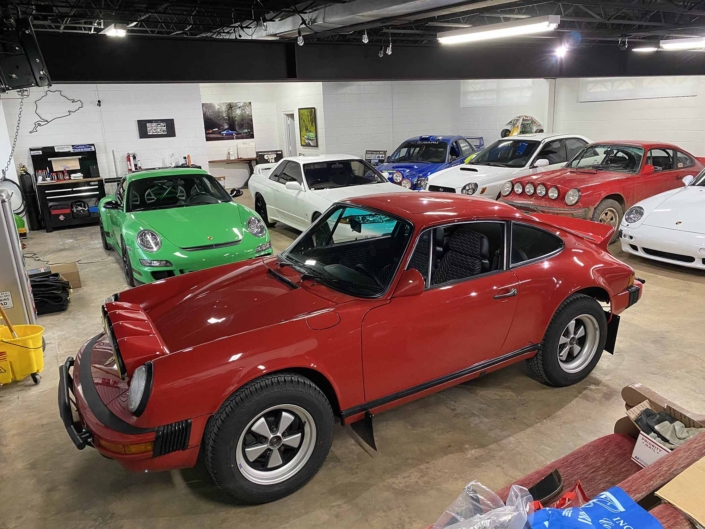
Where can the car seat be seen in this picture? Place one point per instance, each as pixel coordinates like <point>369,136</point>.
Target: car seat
<point>467,250</point>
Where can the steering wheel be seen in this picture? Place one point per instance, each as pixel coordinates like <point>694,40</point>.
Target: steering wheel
<point>362,268</point>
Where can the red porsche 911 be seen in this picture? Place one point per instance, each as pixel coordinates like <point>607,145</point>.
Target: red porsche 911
<point>382,300</point>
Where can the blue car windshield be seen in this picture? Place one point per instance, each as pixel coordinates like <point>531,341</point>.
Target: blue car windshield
<point>420,152</point>
<point>507,153</point>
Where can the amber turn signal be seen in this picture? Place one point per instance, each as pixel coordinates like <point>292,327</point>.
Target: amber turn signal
<point>631,280</point>
<point>140,448</point>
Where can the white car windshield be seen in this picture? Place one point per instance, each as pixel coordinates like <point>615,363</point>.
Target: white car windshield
<point>700,179</point>
<point>343,173</point>
<point>622,158</point>
<point>507,153</point>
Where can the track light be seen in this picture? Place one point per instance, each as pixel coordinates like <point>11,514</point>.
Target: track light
<point>365,38</point>
<point>300,39</point>
<point>499,31</point>
<point>561,51</point>
<point>115,30</point>
<point>389,48</point>
<point>381,51</point>
<point>696,43</point>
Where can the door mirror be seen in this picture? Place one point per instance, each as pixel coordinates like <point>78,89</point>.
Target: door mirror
<point>410,284</point>
<point>235,192</point>
<point>111,204</point>
<point>687,180</point>
<point>542,162</point>
<point>648,169</point>
<point>293,186</point>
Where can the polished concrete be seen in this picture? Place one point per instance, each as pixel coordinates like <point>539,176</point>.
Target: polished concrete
<point>493,430</point>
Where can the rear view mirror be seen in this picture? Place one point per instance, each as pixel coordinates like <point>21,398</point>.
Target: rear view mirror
<point>293,186</point>
<point>356,225</point>
<point>689,179</point>
<point>236,192</point>
<point>411,283</point>
<point>542,162</point>
<point>111,204</point>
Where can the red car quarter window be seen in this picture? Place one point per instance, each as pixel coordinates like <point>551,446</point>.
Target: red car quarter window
<point>621,158</point>
<point>683,160</point>
<point>529,243</point>
<point>661,159</point>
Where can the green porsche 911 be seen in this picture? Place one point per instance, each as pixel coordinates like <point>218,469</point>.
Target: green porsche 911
<point>167,222</point>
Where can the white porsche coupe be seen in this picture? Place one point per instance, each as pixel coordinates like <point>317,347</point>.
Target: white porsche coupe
<point>669,227</point>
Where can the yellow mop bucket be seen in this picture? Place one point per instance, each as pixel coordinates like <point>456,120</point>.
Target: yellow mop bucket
<point>21,351</point>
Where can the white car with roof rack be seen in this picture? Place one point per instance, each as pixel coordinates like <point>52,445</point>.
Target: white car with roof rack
<point>505,159</point>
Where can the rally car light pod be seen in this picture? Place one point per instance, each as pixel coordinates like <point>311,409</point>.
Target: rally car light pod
<point>530,189</point>
<point>140,388</point>
<point>406,183</point>
<point>507,188</point>
<point>397,177</point>
<point>149,241</point>
<point>553,193</point>
<point>541,190</point>
<point>572,197</point>
<point>498,31</point>
<point>518,188</point>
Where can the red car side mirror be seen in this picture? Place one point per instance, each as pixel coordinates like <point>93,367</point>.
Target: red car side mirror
<point>411,283</point>
<point>648,169</point>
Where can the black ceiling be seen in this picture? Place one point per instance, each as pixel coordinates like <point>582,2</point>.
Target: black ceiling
<point>582,21</point>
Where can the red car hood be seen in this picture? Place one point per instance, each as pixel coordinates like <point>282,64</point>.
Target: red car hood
<point>237,301</point>
<point>566,179</point>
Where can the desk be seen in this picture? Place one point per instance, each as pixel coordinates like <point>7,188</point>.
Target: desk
<point>57,199</point>
<point>248,161</point>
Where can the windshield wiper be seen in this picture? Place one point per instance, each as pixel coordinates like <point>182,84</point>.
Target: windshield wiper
<point>283,278</point>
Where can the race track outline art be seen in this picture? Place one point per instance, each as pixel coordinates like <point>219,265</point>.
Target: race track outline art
<point>53,99</point>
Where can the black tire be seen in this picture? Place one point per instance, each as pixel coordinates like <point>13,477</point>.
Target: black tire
<point>234,420</point>
<point>36,378</point>
<point>261,209</point>
<point>546,365</point>
<point>609,209</point>
<point>103,239</point>
<point>127,266</point>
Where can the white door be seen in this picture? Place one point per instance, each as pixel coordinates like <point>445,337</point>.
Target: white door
<point>289,135</point>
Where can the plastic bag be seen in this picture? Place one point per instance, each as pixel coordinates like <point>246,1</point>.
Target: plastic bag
<point>480,508</point>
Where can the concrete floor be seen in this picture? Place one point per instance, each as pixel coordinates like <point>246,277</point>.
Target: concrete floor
<point>493,430</point>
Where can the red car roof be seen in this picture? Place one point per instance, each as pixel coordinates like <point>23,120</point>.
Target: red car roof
<point>637,143</point>
<point>428,208</point>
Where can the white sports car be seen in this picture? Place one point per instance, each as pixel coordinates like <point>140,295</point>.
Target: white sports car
<point>506,159</point>
<point>300,188</point>
<point>669,227</point>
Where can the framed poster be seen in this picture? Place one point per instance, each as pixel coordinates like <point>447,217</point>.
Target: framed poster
<point>308,131</point>
<point>228,121</point>
<point>156,128</point>
<point>269,156</point>
<point>375,158</point>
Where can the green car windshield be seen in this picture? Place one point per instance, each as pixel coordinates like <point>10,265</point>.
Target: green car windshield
<point>147,194</point>
<point>351,249</point>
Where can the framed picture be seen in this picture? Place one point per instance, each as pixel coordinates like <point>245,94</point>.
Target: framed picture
<point>269,156</point>
<point>156,128</point>
<point>308,130</point>
<point>228,121</point>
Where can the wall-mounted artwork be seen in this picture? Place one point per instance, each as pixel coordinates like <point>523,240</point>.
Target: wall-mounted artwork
<point>228,121</point>
<point>308,130</point>
<point>156,128</point>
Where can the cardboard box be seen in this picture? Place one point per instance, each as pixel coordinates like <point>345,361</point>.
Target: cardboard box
<point>69,272</point>
<point>686,492</point>
<point>648,451</point>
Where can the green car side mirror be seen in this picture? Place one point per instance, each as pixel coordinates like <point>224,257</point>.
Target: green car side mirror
<point>111,204</point>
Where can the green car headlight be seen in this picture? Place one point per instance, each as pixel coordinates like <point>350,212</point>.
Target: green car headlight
<point>149,241</point>
<point>256,227</point>
<point>151,262</point>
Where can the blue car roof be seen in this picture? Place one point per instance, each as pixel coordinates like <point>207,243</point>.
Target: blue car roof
<point>434,137</point>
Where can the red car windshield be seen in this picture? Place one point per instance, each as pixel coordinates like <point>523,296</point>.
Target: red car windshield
<point>351,249</point>
<point>621,158</point>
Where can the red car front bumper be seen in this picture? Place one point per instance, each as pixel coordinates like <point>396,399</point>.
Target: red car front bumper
<point>89,422</point>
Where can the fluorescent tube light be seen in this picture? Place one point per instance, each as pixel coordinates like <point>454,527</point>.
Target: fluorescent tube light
<point>695,43</point>
<point>115,30</point>
<point>500,31</point>
<point>645,49</point>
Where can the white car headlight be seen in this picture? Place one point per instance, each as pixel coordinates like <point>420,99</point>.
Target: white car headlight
<point>634,214</point>
<point>469,189</point>
<point>553,193</point>
<point>140,389</point>
<point>572,197</point>
<point>421,183</point>
<point>397,177</point>
<point>529,189</point>
<point>506,188</point>
<point>541,190</point>
<point>256,227</point>
<point>149,241</point>
<point>518,188</point>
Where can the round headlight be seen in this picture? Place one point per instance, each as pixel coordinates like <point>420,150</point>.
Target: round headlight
<point>553,193</point>
<point>406,183</point>
<point>572,197</point>
<point>541,190</point>
<point>256,227</point>
<point>140,388</point>
<point>518,188</point>
<point>469,189</point>
<point>397,177</point>
<point>529,189</point>
<point>421,183</point>
<point>634,214</point>
<point>149,241</point>
<point>506,188</point>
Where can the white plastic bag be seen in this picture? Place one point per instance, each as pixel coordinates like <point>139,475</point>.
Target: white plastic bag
<point>480,508</point>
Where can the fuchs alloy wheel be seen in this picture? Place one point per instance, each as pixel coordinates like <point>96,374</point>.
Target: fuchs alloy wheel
<point>103,240</point>
<point>269,439</point>
<point>127,266</point>
<point>261,209</point>
<point>609,212</point>
<point>573,342</point>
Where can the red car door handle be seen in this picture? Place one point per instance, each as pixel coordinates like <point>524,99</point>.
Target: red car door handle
<point>511,293</point>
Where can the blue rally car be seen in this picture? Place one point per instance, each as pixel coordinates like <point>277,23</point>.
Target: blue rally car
<point>417,158</point>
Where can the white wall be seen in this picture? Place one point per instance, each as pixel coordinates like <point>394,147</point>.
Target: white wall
<point>113,125</point>
<point>679,120</point>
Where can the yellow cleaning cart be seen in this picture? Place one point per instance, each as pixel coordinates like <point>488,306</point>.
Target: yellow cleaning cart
<point>21,351</point>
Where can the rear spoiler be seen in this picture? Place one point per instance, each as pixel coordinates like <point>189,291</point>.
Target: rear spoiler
<point>597,233</point>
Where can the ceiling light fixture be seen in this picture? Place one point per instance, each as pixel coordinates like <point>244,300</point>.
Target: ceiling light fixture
<point>389,48</point>
<point>561,51</point>
<point>115,30</point>
<point>695,43</point>
<point>365,38</point>
<point>300,39</point>
<point>381,51</point>
<point>499,31</point>
<point>645,49</point>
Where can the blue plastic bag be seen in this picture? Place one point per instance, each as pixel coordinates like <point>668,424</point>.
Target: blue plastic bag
<point>612,509</point>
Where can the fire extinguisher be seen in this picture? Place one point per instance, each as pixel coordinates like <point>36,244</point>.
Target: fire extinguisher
<point>130,167</point>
